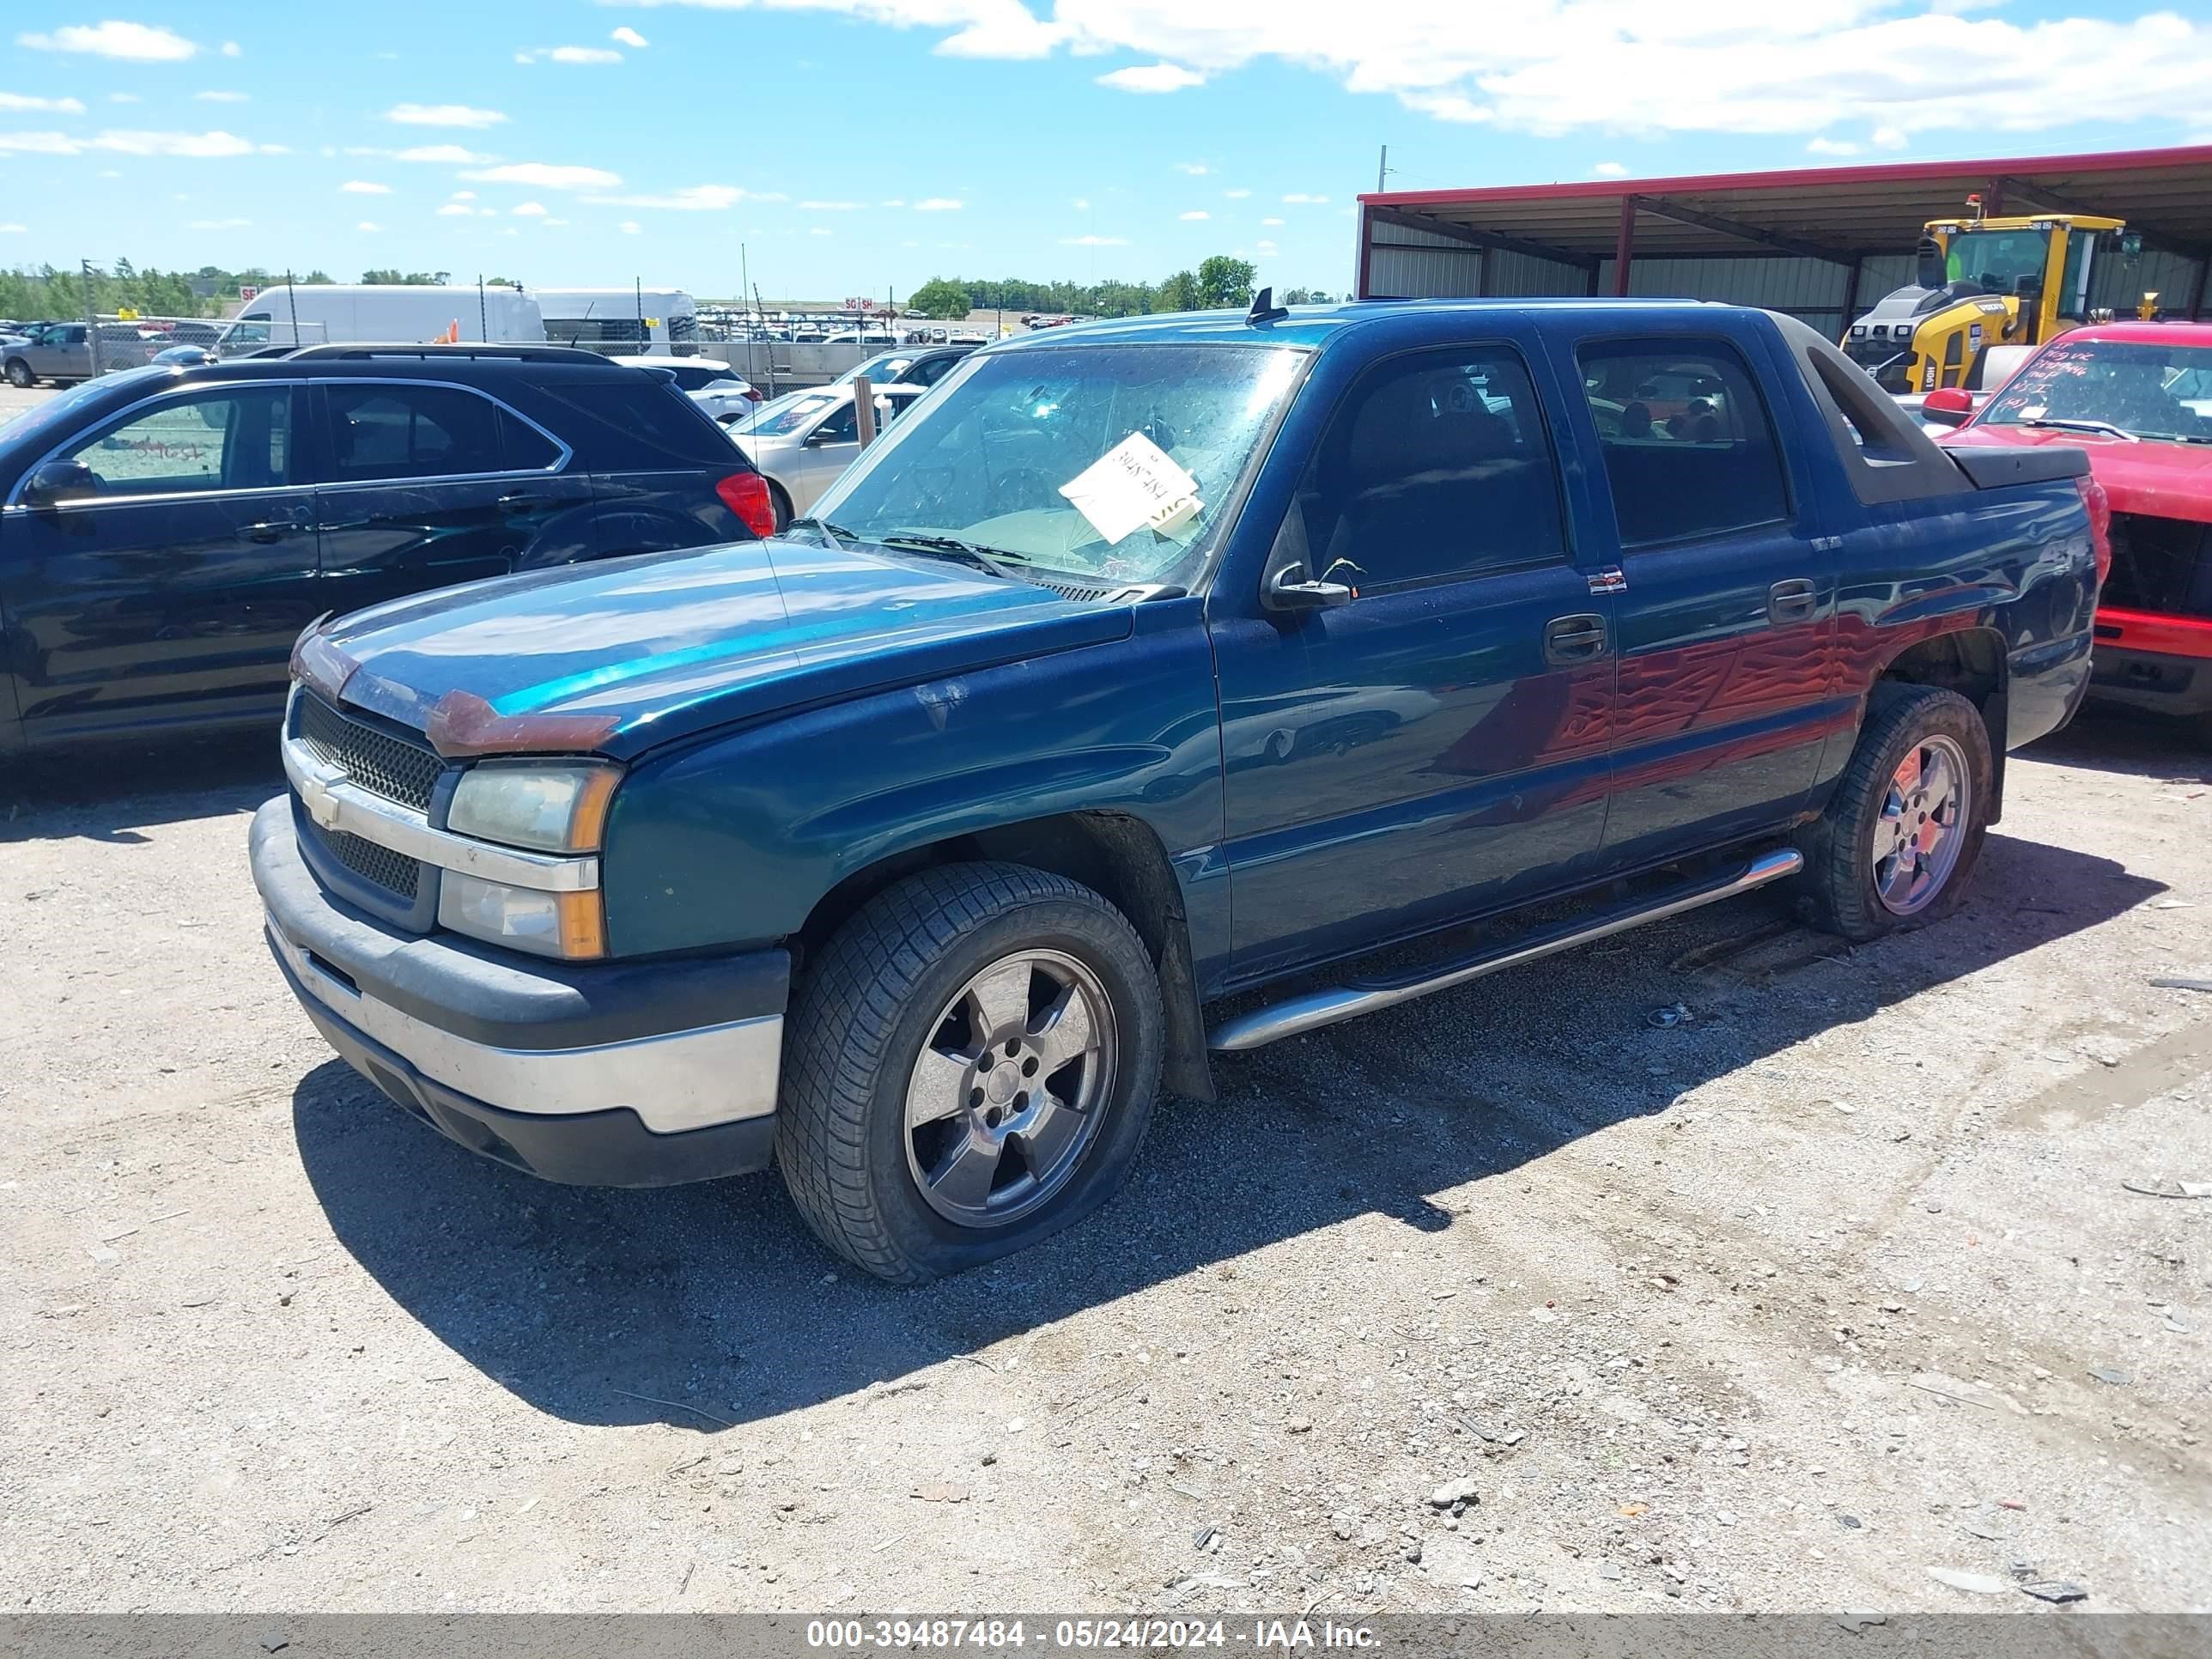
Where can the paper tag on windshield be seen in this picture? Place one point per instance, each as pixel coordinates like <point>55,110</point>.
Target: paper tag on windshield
<point>1131,485</point>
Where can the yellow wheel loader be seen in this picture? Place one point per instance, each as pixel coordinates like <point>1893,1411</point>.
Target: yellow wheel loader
<point>1983,283</point>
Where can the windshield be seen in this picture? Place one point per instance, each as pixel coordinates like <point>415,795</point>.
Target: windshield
<point>776,420</point>
<point>1995,260</point>
<point>888,367</point>
<point>2152,390</point>
<point>58,408</point>
<point>1074,458</point>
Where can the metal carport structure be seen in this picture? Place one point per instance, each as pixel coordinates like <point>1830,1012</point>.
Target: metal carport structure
<point>1819,243</point>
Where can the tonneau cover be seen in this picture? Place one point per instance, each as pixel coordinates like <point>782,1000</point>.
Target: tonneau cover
<point>1993,469</point>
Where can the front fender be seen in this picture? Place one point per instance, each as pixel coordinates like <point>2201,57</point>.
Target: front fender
<point>736,837</point>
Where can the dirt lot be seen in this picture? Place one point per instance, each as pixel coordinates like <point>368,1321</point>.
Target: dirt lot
<point>1781,1307</point>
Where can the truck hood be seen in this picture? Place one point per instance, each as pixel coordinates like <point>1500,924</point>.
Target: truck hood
<point>618,656</point>
<point>2158,480</point>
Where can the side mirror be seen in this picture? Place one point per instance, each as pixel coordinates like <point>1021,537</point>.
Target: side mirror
<point>57,482</point>
<point>1949,406</point>
<point>1289,589</point>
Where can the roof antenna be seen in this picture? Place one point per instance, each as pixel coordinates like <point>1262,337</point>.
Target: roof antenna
<point>1265,310</point>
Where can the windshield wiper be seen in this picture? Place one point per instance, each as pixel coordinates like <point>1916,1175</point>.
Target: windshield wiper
<point>836,534</point>
<point>983,558</point>
<point>2088,426</point>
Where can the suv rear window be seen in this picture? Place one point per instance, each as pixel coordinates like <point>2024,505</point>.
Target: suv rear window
<point>1689,451</point>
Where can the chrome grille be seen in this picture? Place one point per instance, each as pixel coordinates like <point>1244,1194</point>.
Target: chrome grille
<point>383,764</point>
<point>395,872</point>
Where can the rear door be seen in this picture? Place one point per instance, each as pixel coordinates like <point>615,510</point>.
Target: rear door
<point>425,484</point>
<point>1438,745</point>
<point>171,588</point>
<point>1727,601</point>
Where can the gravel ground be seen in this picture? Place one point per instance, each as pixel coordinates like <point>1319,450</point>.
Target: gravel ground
<point>1779,1308</point>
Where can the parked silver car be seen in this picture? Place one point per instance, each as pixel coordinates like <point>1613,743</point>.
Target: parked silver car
<point>709,382</point>
<point>802,442</point>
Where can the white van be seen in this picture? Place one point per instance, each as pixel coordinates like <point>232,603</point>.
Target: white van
<point>383,313</point>
<point>653,322</point>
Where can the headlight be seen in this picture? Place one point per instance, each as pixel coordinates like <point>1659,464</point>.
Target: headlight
<point>560,807</point>
<point>572,926</point>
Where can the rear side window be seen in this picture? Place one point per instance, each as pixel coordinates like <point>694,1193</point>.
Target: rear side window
<point>387,431</point>
<point>616,421</point>
<point>1689,449</point>
<point>1437,465</point>
<point>935,369</point>
<point>522,447</point>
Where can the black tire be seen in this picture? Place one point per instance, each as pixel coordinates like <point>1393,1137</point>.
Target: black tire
<point>20,376</point>
<point>871,1002</point>
<point>1839,848</point>
<point>780,504</point>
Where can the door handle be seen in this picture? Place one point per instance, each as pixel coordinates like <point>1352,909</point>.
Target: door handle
<point>523,498</point>
<point>273,530</point>
<point>1790,601</point>
<point>1578,638</point>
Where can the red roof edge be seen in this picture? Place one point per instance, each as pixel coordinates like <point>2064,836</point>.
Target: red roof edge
<point>2114,161</point>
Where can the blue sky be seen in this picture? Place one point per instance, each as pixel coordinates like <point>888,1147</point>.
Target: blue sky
<point>856,146</point>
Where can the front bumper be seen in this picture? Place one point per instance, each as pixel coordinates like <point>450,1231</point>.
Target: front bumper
<point>603,1074</point>
<point>2149,661</point>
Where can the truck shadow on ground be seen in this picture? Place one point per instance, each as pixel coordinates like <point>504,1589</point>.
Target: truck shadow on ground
<point>710,1305</point>
<point>109,791</point>
<point>2107,739</point>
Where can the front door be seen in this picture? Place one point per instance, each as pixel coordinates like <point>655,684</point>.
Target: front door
<point>1728,608</point>
<point>169,583</point>
<point>1438,745</point>
<point>426,484</point>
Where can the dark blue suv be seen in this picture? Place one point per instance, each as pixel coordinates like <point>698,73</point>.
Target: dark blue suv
<point>166,533</point>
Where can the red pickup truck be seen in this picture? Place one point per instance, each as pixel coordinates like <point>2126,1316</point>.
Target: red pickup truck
<point>2138,398</point>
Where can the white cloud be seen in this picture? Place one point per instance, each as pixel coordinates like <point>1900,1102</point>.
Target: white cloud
<point>440,154</point>
<point>13,230</point>
<point>529,211</point>
<point>938,205</point>
<point>364,188</point>
<point>192,146</point>
<point>1609,170</point>
<point>630,37</point>
<point>1831,147</point>
<point>692,198</point>
<point>1298,197</point>
<point>19,101</point>
<point>1910,66</point>
<point>1196,169</point>
<point>1271,222</point>
<point>232,49</point>
<point>1094,241</point>
<point>1151,78</point>
<point>820,230</point>
<point>1265,247</point>
<point>1890,137</point>
<point>455,210</point>
<point>462,196</point>
<point>629,226</point>
<point>1081,204</point>
<point>569,55</point>
<point>368,224</point>
<point>546,175</point>
<point>1237,195</point>
<point>219,224</point>
<point>1193,215</point>
<point>137,43</point>
<point>833,206</point>
<point>222,97</point>
<point>442,115</point>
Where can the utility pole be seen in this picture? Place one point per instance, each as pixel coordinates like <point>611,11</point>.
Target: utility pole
<point>91,316</point>
<point>1382,171</point>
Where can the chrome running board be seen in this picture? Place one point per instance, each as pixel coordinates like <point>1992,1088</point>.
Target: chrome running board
<point>1318,1008</point>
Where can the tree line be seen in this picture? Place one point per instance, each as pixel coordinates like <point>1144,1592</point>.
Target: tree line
<point>29,292</point>
<point>1218,282</point>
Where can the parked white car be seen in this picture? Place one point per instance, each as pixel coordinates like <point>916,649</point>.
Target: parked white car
<point>802,442</point>
<point>709,382</point>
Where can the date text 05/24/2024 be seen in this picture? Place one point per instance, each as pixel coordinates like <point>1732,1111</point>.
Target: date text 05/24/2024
<point>987,1635</point>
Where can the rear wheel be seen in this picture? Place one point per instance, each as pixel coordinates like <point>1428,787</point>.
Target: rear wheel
<point>780,504</point>
<point>20,376</point>
<point>970,1069</point>
<point>1900,837</point>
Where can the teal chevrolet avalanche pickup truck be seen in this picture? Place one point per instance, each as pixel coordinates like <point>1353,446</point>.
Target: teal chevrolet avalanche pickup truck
<point>1140,665</point>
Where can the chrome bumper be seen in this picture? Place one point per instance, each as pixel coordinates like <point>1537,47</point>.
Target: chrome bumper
<point>681,1080</point>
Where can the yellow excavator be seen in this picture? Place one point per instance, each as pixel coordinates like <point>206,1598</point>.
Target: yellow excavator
<point>1983,283</point>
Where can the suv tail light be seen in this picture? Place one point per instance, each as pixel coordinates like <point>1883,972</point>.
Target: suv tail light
<point>745,493</point>
<point>2099,507</point>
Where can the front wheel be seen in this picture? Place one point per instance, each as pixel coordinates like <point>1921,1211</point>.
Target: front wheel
<point>1899,838</point>
<point>20,376</point>
<point>970,1069</point>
